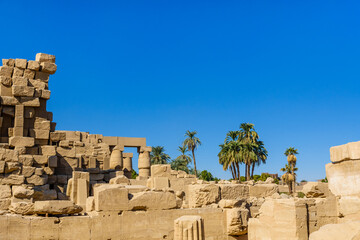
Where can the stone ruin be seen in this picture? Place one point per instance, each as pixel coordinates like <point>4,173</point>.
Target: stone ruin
<point>76,185</point>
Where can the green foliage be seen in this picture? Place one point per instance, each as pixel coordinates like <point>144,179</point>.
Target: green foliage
<point>300,195</point>
<point>207,176</point>
<point>191,143</point>
<point>276,181</point>
<point>133,174</point>
<point>182,161</point>
<point>242,179</point>
<point>158,155</point>
<point>324,180</point>
<point>291,151</point>
<point>256,178</point>
<point>264,176</point>
<point>303,181</point>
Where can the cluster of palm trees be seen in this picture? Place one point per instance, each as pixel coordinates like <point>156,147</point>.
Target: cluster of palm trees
<point>242,147</point>
<point>289,176</point>
<point>190,144</point>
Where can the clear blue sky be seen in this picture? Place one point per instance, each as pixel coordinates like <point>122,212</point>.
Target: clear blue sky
<point>157,68</point>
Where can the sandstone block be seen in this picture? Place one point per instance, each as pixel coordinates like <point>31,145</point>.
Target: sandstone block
<point>11,167</point>
<point>6,81</point>
<point>42,76</point>
<point>33,65</point>
<point>57,136</point>
<point>23,208</point>
<point>263,190</point>
<point>48,67</point>
<point>348,230</point>
<point>153,200</point>
<point>201,195</point>
<point>9,101</point>
<point>161,182</point>
<point>8,62</point>
<point>22,91</point>
<point>40,134</point>
<point>56,207</point>
<point>26,160</point>
<point>345,152</point>
<point>111,198</point>
<point>161,170</point>
<point>22,192</point>
<point>20,63</point>
<point>120,180</point>
<point>38,84</point>
<point>237,221</point>
<point>52,161</point>
<point>27,171</point>
<point>29,74</point>
<point>13,179</point>
<point>20,81</point>
<point>37,180</point>
<point>5,191</point>
<point>21,141</point>
<point>234,191</point>
<point>42,57</point>
<point>5,204</point>
<point>2,167</point>
<point>18,72</point>
<point>48,150</point>
<point>6,71</point>
<point>45,94</point>
<point>90,204</point>
<point>30,101</point>
<point>39,171</point>
<point>43,192</point>
<point>40,159</point>
<point>42,123</point>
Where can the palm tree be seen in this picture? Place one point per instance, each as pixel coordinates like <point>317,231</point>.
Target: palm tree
<point>290,153</point>
<point>191,143</point>
<point>289,176</point>
<point>261,154</point>
<point>249,137</point>
<point>182,161</point>
<point>158,155</point>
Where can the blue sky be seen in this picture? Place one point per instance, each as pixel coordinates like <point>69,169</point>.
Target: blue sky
<point>155,69</point>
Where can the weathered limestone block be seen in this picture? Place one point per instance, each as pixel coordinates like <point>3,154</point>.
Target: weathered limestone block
<point>153,200</point>
<point>5,203</point>
<point>349,230</point>
<point>13,179</point>
<point>144,162</point>
<point>53,161</point>
<point>230,203</point>
<point>37,180</point>
<point>160,182</point>
<point>12,166</point>
<point>90,204</point>
<point>57,136</point>
<point>26,160</point>
<point>237,221</point>
<point>189,228</point>
<point>20,63</point>
<point>111,197</point>
<point>23,208</point>
<point>120,180</point>
<point>263,190</point>
<point>33,65</point>
<point>43,192</point>
<point>21,141</point>
<point>22,192</point>
<point>8,62</point>
<point>202,194</point>
<point>6,71</point>
<point>56,207</point>
<point>6,81</point>
<point>345,152</point>
<point>9,101</point>
<point>29,74</point>
<point>161,170</point>
<point>234,191</point>
<point>5,191</point>
<point>43,57</point>
<point>48,67</point>
<point>27,171</point>
<point>22,91</point>
<point>316,190</point>
<point>281,219</point>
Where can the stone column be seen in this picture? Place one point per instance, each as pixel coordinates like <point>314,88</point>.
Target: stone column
<point>78,188</point>
<point>116,158</point>
<point>127,161</point>
<point>144,162</point>
<point>189,228</point>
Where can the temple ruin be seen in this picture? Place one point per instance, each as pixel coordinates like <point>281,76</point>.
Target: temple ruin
<point>76,185</point>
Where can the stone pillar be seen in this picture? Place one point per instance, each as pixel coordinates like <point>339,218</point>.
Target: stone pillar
<point>127,161</point>
<point>116,158</point>
<point>78,188</point>
<point>144,162</point>
<point>189,228</point>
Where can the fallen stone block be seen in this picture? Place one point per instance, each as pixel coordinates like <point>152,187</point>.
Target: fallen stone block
<point>234,191</point>
<point>22,192</point>
<point>111,197</point>
<point>153,200</point>
<point>202,194</point>
<point>56,207</point>
<point>263,190</point>
<point>120,180</point>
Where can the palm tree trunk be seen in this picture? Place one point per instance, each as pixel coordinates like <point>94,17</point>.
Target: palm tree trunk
<point>193,153</point>
<point>289,185</point>
<point>232,171</point>
<point>238,171</point>
<point>248,173</point>
<point>294,182</point>
<point>252,170</point>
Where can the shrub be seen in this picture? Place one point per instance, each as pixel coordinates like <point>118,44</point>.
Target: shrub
<point>300,195</point>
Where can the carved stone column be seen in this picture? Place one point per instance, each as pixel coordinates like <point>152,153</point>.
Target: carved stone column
<point>189,228</point>
<point>116,158</point>
<point>144,162</point>
<point>127,161</point>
